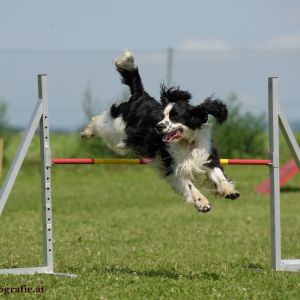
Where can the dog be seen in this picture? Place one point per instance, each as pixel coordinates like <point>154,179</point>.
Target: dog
<point>172,132</point>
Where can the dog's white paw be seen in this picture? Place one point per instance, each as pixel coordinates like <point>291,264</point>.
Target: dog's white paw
<point>227,190</point>
<point>198,200</point>
<point>86,135</point>
<point>203,206</point>
<point>125,61</point>
<point>234,195</point>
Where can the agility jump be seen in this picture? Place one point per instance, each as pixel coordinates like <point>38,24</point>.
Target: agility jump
<point>40,118</point>
<point>143,161</point>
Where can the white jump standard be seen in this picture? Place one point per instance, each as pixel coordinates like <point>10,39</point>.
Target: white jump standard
<point>40,118</point>
<point>277,120</point>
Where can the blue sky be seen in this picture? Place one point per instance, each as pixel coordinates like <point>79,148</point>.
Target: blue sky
<point>40,24</point>
<point>220,47</point>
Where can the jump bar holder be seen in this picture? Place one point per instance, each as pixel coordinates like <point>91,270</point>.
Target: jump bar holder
<point>277,121</point>
<point>39,118</point>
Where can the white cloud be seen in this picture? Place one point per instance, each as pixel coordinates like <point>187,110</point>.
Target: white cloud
<point>287,41</point>
<point>202,44</point>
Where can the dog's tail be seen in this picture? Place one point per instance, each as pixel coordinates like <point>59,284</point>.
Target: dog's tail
<point>130,73</point>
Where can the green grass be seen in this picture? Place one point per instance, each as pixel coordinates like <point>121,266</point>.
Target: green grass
<point>128,236</point>
<point>70,145</point>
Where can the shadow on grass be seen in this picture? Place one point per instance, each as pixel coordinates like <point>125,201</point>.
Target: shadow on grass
<point>290,189</point>
<point>163,273</point>
<point>255,267</point>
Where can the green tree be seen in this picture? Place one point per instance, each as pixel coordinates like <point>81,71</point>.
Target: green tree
<point>89,105</point>
<point>243,134</point>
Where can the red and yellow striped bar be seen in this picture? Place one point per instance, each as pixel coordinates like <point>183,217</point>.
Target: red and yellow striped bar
<point>100,161</point>
<point>142,161</point>
<point>243,161</point>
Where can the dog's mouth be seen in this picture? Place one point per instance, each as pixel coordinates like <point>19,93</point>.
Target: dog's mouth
<point>170,137</point>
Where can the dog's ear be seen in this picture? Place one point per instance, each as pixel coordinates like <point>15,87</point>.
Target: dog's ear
<point>173,94</point>
<point>210,106</point>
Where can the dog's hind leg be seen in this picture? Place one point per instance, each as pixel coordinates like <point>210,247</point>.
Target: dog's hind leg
<point>125,61</point>
<point>130,74</point>
<point>89,131</point>
<point>110,129</point>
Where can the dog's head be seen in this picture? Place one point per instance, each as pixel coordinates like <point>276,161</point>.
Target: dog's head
<point>181,119</point>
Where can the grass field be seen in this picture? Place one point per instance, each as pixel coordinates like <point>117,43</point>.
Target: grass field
<point>128,236</point>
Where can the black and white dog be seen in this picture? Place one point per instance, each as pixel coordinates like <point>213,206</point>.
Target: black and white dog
<point>173,132</point>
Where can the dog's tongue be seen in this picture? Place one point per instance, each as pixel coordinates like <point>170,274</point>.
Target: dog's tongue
<point>166,138</point>
<point>171,136</point>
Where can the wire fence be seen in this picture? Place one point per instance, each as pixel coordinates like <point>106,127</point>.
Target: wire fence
<point>72,73</point>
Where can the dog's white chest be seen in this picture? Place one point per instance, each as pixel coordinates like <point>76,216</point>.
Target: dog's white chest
<point>190,158</point>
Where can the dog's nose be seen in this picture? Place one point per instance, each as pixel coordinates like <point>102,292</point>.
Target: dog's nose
<point>160,126</point>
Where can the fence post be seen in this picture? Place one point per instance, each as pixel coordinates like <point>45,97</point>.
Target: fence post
<point>169,68</point>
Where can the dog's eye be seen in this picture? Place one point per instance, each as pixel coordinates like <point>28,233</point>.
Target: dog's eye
<point>174,115</point>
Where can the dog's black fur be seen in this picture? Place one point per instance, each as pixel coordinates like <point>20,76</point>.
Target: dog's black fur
<point>173,132</point>
<point>142,113</point>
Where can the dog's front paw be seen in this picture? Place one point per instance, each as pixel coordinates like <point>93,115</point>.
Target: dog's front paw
<point>203,207</point>
<point>227,190</point>
<point>233,195</point>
